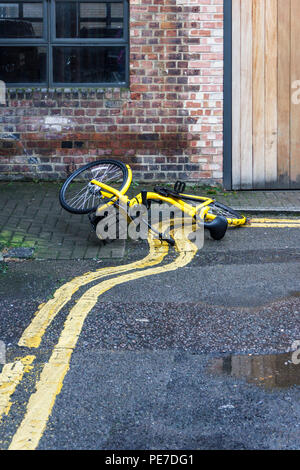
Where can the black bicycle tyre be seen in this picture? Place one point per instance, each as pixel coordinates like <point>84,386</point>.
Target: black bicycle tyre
<point>77,172</point>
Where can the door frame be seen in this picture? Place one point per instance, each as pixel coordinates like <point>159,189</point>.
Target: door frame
<point>227,97</point>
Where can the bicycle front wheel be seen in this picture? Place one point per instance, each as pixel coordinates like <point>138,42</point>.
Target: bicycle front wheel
<point>79,196</point>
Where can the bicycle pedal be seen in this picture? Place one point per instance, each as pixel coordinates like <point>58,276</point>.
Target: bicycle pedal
<point>168,240</point>
<point>179,186</point>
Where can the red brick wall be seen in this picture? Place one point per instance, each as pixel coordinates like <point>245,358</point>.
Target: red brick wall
<point>167,126</point>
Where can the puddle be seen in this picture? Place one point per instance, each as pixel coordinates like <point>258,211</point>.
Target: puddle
<point>295,293</point>
<point>275,371</point>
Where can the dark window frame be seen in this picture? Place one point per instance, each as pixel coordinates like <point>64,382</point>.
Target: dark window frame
<point>50,41</point>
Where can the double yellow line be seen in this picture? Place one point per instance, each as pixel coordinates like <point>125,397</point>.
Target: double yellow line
<point>273,223</point>
<point>10,377</point>
<point>41,402</point>
<point>49,385</point>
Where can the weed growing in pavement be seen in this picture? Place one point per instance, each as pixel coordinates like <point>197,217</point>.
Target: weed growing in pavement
<point>3,267</point>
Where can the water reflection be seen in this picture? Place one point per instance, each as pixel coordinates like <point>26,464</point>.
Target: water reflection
<point>269,371</point>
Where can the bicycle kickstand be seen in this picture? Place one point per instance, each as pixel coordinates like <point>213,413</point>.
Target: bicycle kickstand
<point>161,236</point>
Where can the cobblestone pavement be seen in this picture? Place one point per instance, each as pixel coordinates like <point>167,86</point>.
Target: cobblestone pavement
<point>262,201</point>
<point>31,217</point>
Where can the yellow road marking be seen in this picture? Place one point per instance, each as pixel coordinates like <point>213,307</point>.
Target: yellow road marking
<point>272,223</point>
<point>264,220</point>
<point>283,225</point>
<point>33,334</point>
<point>11,375</point>
<point>51,380</point>
<point>41,403</point>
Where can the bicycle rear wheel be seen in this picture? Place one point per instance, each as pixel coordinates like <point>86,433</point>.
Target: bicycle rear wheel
<point>216,209</point>
<point>79,196</point>
<point>233,217</point>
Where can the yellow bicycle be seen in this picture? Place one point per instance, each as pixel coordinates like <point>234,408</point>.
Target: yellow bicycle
<point>94,187</point>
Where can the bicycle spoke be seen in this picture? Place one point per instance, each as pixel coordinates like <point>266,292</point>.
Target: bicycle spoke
<point>86,194</point>
<point>78,201</point>
<point>77,194</point>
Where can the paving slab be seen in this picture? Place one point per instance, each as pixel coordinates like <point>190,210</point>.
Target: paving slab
<point>31,217</point>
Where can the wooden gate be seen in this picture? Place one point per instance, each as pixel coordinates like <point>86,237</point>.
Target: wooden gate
<point>265,94</point>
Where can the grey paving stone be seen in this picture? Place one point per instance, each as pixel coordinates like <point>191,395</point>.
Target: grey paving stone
<point>31,216</point>
<point>22,253</point>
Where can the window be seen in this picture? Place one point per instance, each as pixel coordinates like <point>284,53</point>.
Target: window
<point>64,43</point>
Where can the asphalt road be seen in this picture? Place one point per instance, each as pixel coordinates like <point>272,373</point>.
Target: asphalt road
<point>199,357</point>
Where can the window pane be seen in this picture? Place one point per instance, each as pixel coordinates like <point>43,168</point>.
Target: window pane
<point>33,10</point>
<point>89,20</point>
<point>89,64</point>
<point>23,64</point>
<point>9,10</point>
<point>21,20</point>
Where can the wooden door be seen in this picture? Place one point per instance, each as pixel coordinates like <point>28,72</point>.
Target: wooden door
<point>265,94</point>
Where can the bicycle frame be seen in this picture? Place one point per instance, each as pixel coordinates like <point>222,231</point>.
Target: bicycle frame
<point>205,211</point>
